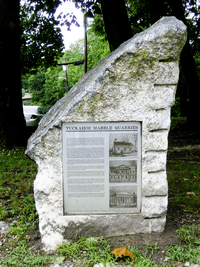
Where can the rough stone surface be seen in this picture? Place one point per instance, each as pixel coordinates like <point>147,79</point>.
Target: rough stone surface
<point>155,184</point>
<point>137,82</point>
<point>4,228</point>
<point>154,206</point>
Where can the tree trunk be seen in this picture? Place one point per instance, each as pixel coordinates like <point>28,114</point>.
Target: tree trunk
<point>193,85</point>
<point>183,102</point>
<point>12,123</point>
<point>190,72</point>
<point>117,25</point>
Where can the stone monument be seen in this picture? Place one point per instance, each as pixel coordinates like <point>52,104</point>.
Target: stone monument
<point>101,149</point>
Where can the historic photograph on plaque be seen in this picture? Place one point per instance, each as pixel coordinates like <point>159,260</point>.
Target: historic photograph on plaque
<point>101,167</point>
<point>123,171</point>
<point>123,196</point>
<point>122,145</point>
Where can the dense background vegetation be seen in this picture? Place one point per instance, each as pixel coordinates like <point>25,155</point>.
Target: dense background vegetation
<point>30,34</point>
<point>48,85</point>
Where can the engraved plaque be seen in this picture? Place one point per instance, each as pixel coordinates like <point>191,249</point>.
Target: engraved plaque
<point>101,167</point>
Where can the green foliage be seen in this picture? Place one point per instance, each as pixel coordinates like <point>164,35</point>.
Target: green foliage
<point>16,194</point>
<point>185,186</point>
<point>152,246</point>
<point>142,13</point>
<point>46,87</point>
<point>41,38</point>
<point>54,87</point>
<point>49,85</point>
<point>98,48</point>
<point>176,110</point>
<point>35,84</point>
<point>15,168</point>
<point>189,234</point>
<point>22,256</point>
<point>139,260</point>
<point>95,250</point>
<point>75,53</point>
<point>183,254</point>
<point>90,250</point>
<point>23,92</point>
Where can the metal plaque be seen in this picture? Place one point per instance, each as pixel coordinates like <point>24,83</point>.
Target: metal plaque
<point>101,167</point>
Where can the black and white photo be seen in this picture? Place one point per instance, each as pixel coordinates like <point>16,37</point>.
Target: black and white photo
<point>123,196</point>
<point>123,171</point>
<point>123,144</point>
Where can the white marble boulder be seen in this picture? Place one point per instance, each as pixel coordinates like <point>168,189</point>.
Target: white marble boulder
<point>137,82</point>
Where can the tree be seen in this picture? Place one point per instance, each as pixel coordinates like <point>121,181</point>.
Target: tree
<point>40,42</point>
<point>98,48</point>
<point>146,13</point>
<point>143,13</point>
<point>35,85</point>
<point>117,25</point>
<point>49,85</point>
<point>35,17</point>
<point>41,38</point>
<point>189,68</point>
<point>12,123</point>
<point>54,87</point>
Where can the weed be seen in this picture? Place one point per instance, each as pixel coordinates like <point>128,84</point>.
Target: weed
<point>16,183</point>
<point>18,230</point>
<point>152,246</point>
<point>195,170</point>
<point>139,260</point>
<point>189,234</point>
<point>183,254</point>
<point>90,250</point>
<point>22,256</point>
<point>184,186</point>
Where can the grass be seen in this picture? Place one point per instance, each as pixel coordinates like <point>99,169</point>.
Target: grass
<point>152,246</point>
<point>90,251</point>
<point>16,185</point>
<point>22,255</point>
<point>190,250</point>
<point>183,168</point>
<point>17,207</point>
<point>183,179</point>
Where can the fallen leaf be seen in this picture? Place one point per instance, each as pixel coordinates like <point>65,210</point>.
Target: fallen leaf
<point>119,252</point>
<point>191,193</point>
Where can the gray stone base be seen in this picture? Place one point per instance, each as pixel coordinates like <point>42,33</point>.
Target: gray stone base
<point>68,227</point>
